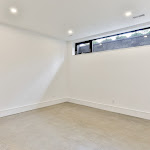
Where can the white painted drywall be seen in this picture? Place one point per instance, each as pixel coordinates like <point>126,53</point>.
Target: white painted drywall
<point>36,69</point>
<point>119,78</point>
<point>32,68</point>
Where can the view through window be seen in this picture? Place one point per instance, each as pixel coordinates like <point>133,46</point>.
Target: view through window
<point>124,40</point>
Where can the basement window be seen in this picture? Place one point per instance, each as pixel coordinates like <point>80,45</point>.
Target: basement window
<point>134,38</point>
<point>84,47</point>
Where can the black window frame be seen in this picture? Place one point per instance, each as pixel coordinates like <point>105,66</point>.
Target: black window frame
<point>91,41</point>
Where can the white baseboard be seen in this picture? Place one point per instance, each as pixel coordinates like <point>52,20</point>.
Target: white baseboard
<point>121,110</point>
<point>111,108</point>
<point>17,110</point>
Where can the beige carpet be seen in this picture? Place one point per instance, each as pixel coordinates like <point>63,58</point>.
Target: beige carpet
<point>73,127</point>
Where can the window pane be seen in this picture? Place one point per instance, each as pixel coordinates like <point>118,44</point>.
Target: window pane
<point>83,48</point>
<point>126,40</point>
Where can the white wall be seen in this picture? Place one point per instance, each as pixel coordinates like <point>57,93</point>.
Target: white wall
<point>32,68</point>
<point>116,80</point>
<point>36,69</point>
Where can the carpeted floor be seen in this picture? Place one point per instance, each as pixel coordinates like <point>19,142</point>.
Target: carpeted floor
<point>69,126</point>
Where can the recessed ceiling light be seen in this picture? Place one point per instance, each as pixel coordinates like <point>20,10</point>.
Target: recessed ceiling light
<point>145,36</point>
<point>13,10</point>
<point>70,32</point>
<point>128,13</point>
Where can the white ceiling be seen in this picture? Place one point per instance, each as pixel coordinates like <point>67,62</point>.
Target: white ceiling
<point>85,17</point>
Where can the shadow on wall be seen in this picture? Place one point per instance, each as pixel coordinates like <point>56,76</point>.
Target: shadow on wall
<point>30,65</point>
<point>26,84</point>
<point>57,86</point>
<point>46,85</point>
